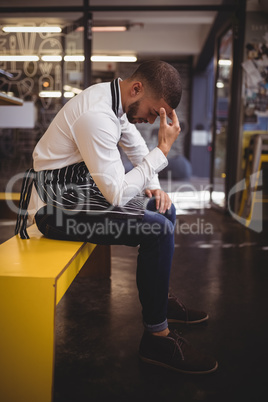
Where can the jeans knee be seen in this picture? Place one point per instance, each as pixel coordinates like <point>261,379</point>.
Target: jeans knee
<point>158,225</point>
<point>171,214</point>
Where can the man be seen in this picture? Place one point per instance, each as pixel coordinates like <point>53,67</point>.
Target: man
<point>83,193</point>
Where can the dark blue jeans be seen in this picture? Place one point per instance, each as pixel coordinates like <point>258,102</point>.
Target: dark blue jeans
<point>154,234</point>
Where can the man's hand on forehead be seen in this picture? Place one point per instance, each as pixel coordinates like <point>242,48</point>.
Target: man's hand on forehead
<point>168,132</point>
<point>168,114</point>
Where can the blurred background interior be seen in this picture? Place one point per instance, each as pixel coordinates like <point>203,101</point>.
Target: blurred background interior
<point>217,174</point>
<point>219,47</point>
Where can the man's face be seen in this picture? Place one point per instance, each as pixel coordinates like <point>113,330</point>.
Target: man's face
<point>146,110</point>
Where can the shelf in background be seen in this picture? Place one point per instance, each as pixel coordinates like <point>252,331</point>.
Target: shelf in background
<point>9,100</point>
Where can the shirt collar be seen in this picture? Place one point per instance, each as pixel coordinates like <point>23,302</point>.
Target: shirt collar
<point>120,107</point>
<point>116,98</point>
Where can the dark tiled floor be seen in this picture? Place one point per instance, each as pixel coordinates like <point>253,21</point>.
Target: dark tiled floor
<point>223,269</point>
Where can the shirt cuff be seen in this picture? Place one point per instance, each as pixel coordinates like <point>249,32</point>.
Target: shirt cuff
<point>156,160</point>
<point>154,183</point>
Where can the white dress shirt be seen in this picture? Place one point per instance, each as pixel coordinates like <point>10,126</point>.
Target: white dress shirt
<point>87,129</point>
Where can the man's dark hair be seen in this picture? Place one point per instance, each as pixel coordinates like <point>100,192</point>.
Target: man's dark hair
<point>162,79</point>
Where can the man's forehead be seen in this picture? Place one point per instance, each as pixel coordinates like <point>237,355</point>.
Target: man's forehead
<point>167,108</point>
<point>158,103</point>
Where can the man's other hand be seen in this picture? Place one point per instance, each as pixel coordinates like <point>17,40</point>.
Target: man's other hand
<point>162,200</point>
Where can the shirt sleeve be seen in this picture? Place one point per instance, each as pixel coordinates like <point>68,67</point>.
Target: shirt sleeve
<point>136,149</point>
<point>96,136</point>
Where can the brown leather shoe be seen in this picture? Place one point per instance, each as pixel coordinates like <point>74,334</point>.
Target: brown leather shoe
<point>178,313</point>
<point>175,353</point>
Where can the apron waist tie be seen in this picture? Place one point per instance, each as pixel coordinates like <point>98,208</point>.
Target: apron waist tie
<point>25,195</point>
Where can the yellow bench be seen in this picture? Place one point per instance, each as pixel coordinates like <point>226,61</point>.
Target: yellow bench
<point>34,275</point>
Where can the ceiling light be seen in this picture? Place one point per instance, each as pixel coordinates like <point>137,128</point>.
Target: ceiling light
<point>51,58</point>
<point>74,58</point>
<point>18,58</point>
<point>220,84</point>
<point>109,29</point>
<point>114,58</point>
<point>46,29</point>
<point>104,29</point>
<point>224,62</point>
<point>50,94</point>
<point>68,94</point>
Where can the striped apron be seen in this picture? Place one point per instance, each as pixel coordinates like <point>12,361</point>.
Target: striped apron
<point>73,188</point>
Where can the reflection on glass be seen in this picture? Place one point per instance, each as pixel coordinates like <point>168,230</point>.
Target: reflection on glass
<point>73,63</point>
<point>221,116</point>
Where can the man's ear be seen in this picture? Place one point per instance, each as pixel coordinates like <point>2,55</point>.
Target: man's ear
<point>136,88</point>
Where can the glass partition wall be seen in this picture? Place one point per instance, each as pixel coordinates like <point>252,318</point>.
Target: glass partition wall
<point>44,69</point>
<point>221,117</point>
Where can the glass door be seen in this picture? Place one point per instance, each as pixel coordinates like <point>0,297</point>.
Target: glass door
<point>221,117</point>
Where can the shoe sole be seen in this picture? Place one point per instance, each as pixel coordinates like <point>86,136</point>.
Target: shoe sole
<point>157,363</point>
<point>188,322</point>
